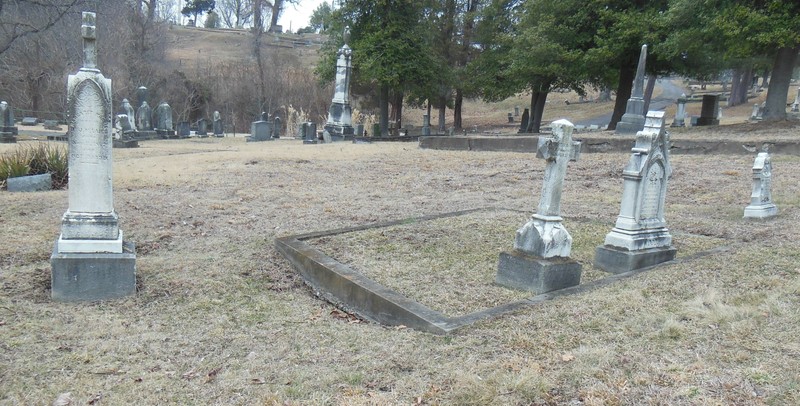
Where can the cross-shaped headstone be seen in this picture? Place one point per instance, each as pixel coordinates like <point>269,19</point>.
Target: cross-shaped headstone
<point>557,150</point>
<point>544,236</point>
<point>89,39</point>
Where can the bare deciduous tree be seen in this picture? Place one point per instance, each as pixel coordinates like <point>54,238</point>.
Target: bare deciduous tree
<point>23,18</point>
<point>235,13</point>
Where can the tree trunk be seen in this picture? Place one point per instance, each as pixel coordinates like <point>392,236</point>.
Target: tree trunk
<point>648,92</point>
<point>442,112</point>
<point>747,83</point>
<point>624,88</point>
<point>277,7</point>
<point>779,84</point>
<point>459,100</point>
<point>740,84</point>
<point>538,100</point>
<point>396,114</point>
<point>384,110</point>
<point>34,87</point>
<point>529,127</point>
<point>736,88</point>
<point>262,88</point>
<point>429,113</point>
<point>258,18</point>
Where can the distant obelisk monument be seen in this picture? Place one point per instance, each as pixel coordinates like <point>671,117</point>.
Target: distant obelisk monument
<point>90,261</point>
<point>633,119</point>
<point>340,121</point>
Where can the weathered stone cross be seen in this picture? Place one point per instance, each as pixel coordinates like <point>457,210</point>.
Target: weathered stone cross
<point>556,150</point>
<point>89,39</point>
<point>544,235</point>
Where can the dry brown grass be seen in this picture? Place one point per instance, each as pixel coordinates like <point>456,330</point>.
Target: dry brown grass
<point>221,318</point>
<point>192,46</point>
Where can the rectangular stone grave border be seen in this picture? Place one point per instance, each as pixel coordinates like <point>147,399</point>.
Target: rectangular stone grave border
<point>356,293</point>
<point>516,143</point>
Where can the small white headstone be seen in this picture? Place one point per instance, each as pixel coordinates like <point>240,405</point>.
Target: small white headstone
<point>761,205</point>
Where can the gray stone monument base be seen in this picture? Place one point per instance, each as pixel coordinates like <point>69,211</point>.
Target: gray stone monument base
<point>630,124</point>
<point>704,121</point>
<point>633,119</point>
<point>166,133</point>
<point>130,143</point>
<point>340,132</point>
<point>518,270</point>
<point>13,130</point>
<point>616,260</point>
<point>7,138</point>
<point>77,277</point>
<point>31,183</point>
<point>755,212</point>
<point>260,131</point>
<point>145,135</point>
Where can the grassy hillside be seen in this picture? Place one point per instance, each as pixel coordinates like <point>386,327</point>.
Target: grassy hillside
<point>207,46</point>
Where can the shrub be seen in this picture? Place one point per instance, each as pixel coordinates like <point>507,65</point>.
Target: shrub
<point>35,160</point>
<point>13,165</point>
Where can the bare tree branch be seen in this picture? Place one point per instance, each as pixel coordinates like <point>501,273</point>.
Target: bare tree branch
<point>43,15</point>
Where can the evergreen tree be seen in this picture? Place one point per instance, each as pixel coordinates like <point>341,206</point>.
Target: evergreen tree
<point>196,7</point>
<point>212,20</point>
<point>391,51</point>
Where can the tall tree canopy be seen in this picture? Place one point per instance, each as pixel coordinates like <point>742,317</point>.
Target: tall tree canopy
<point>196,7</point>
<point>390,48</point>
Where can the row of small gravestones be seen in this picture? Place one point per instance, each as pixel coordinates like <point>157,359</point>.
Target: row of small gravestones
<point>48,124</point>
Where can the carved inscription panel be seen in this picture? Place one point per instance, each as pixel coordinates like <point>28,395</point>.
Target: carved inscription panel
<point>651,198</point>
<point>90,152</point>
<point>766,183</point>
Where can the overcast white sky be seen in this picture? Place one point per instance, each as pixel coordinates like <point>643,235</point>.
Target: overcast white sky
<point>296,15</point>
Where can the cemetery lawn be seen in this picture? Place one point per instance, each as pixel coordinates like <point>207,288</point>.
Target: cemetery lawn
<point>221,318</point>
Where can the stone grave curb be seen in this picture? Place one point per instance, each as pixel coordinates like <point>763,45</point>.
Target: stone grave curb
<point>403,138</point>
<point>356,293</point>
<point>30,183</point>
<point>604,144</point>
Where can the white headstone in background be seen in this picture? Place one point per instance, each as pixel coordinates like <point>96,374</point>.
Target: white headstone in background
<point>754,114</point>
<point>761,205</point>
<point>680,112</point>
<point>340,122</point>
